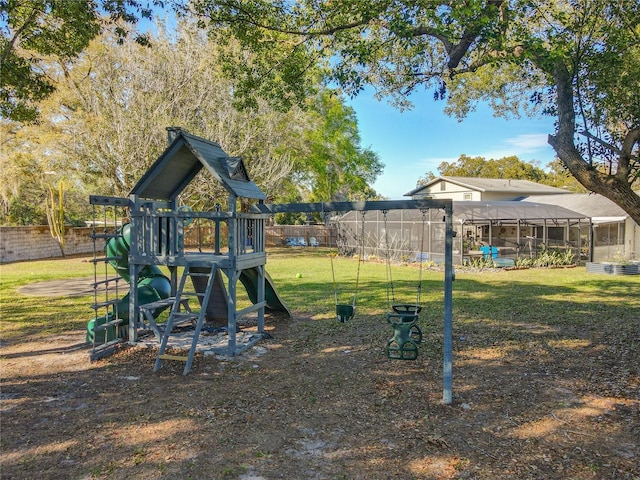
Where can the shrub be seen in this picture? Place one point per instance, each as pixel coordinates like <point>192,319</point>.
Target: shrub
<point>548,258</point>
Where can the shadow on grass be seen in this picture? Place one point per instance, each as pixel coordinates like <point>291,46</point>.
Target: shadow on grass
<point>323,400</point>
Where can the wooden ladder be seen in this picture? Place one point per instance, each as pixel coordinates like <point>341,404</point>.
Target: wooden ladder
<point>177,317</point>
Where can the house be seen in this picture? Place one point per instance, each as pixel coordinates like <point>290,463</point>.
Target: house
<point>481,189</point>
<point>613,235</point>
<point>508,219</point>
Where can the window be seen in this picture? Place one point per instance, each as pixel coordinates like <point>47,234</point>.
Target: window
<point>467,196</point>
<point>609,234</point>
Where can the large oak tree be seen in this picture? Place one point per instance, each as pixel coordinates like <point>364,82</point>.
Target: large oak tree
<point>577,60</point>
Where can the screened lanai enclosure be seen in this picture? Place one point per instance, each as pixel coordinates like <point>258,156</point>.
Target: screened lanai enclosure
<point>504,231</point>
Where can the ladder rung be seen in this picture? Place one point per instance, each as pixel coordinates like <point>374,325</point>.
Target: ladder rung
<point>104,326</point>
<point>158,303</point>
<point>191,295</point>
<point>181,317</point>
<point>179,358</point>
<point>108,280</point>
<point>106,259</point>
<point>96,306</point>
<point>105,235</point>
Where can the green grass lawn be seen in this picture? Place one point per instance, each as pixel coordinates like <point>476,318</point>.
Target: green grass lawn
<point>24,315</point>
<point>546,382</point>
<point>510,301</point>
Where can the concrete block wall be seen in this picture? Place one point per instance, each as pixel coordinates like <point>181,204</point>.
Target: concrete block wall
<point>35,242</point>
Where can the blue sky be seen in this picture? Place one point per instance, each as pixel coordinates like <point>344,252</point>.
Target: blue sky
<point>413,142</point>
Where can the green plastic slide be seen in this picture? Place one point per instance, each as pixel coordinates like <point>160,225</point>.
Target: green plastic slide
<point>249,278</point>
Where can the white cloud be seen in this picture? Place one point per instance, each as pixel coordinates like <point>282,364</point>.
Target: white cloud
<point>400,174</point>
<point>526,147</point>
<point>528,142</point>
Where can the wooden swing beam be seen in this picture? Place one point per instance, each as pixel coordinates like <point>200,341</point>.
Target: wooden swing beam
<point>447,206</point>
<point>327,207</point>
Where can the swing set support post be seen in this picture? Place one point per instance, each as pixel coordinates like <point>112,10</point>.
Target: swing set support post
<point>447,206</point>
<point>447,376</point>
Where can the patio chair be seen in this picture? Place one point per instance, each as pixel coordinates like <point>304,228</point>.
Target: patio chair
<point>302,242</point>
<point>313,241</point>
<point>292,242</point>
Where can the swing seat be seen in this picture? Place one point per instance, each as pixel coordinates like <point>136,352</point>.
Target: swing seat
<point>408,308</point>
<point>406,336</point>
<point>402,346</point>
<point>345,312</point>
<point>404,319</point>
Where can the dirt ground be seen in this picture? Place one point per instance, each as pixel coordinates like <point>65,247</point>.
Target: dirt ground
<point>319,400</point>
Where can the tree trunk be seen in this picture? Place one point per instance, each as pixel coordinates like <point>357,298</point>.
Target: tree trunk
<point>55,216</point>
<point>615,189</point>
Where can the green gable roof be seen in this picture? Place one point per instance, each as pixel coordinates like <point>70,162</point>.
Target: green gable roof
<point>183,159</point>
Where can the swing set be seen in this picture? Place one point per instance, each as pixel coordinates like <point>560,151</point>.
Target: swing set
<point>403,319</point>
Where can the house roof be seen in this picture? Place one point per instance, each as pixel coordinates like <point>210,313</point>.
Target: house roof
<point>589,204</point>
<point>496,185</point>
<point>181,162</point>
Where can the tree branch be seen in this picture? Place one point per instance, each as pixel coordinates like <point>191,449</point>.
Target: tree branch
<point>607,145</point>
<point>457,51</point>
<point>250,19</point>
<point>16,35</point>
<point>632,137</point>
<point>626,160</point>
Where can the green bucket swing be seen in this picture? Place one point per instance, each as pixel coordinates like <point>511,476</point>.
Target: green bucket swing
<point>346,311</point>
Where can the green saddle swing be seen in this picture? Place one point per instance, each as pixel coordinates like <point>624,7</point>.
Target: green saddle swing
<point>404,316</point>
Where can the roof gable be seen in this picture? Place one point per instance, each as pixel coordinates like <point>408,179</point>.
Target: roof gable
<point>495,185</point>
<point>236,169</point>
<point>183,159</point>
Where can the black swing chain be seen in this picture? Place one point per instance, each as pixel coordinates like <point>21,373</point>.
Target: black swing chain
<point>360,259</point>
<point>421,259</point>
<point>391,298</point>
